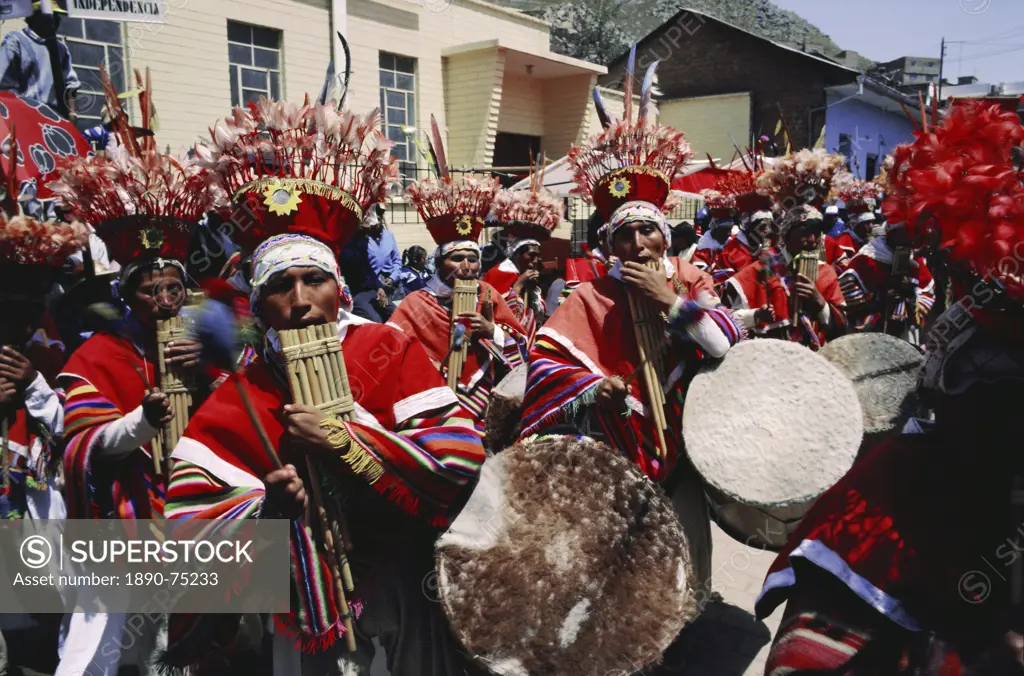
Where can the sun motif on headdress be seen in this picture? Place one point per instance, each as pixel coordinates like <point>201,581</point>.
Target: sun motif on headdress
<point>620,187</point>
<point>281,199</point>
<point>464,225</point>
<point>151,238</point>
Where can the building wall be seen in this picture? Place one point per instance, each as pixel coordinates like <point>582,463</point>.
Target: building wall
<point>472,98</point>
<point>700,56</point>
<point>566,113</point>
<point>522,105</point>
<point>709,121</point>
<point>871,131</point>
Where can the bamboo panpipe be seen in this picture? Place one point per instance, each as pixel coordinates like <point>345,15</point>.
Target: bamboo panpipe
<point>463,300</point>
<point>174,384</point>
<point>805,264</point>
<point>316,373</point>
<point>649,328</point>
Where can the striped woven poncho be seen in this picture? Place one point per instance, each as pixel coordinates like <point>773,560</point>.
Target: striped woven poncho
<point>591,337</point>
<point>426,315</point>
<point>411,440</point>
<point>102,387</point>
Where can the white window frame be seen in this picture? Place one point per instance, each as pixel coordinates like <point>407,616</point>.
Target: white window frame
<point>409,166</point>
<point>92,116</point>
<point>268,90</point>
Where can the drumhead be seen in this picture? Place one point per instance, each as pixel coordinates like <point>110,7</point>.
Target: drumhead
<point>772,425</point>
<point>565,560</point>
<point>884,371</point>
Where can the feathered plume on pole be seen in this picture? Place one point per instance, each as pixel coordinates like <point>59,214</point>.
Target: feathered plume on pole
<point>602,112</point>
<point>647,92</point>
<point>627,86</point>
<point>437,147</point>
<point>217,328</point>
<point>348,70</point>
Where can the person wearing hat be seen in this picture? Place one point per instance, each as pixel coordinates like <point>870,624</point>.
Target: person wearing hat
<point>888,287</point>
<point>584,359</point>
<point>720,227</point>
<point>761,294</point>
<point>529,217</point>
<point>36,65</point>
<point>912,564</point>
<point>753,237</point>
<point>454,212</point>
<point>404,458</point>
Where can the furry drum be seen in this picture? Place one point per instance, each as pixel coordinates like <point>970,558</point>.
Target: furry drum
<point>770,428</point>
<point>505,410</point>
<point>567,561</point>
<point>884,371</point>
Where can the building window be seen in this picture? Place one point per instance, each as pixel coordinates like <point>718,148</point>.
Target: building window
<point>254,55</point>
<point>398,109</point>
<point>93,42</point>
<point>846,148</point>
<point>871,167</point>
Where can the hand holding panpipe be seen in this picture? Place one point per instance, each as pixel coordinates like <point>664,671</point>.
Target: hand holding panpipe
<point>174,382</point>
<point>649,329</point>
<point>464,299</point>
<point>804,264</point>
<point>317,377</point>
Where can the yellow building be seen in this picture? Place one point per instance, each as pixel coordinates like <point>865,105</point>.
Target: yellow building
<point>486,73</point>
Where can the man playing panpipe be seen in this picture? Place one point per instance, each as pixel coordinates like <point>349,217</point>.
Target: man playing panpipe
<point>735,196</point>
<point>587,357</point>
<point>883,293</point>
<point>861,199</point>
<point>529,217</point>
<point>400,457</point>
<point>763,293</point>
<point>911,564</point>
<point>495,342</point>
<point>144,205</point>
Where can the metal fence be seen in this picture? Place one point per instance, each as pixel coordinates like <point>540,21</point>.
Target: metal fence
<point>401,212</point>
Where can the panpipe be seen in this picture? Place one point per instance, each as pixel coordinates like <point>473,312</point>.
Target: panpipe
<point>649,327</point>
<point>806,264</point>
<point>463,300</point>
<point>175,384</point>
<point>901,257</point>
<point>315,368</point>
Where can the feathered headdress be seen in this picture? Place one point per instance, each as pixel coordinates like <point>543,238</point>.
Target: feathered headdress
<point>528,214</point>
<point>143,204</point>
<point>454,211</point>
<point>802,177</point>
<point>631,160</point>
<point>312,169</point>
<point>859,196</point>
<point>735,192</point>
<point>960,184</point>
<point>882,180</point>
<point>26,241</point>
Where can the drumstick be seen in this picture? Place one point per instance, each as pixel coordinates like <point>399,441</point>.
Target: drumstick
<point>268,447</point>
<point>639,369</point>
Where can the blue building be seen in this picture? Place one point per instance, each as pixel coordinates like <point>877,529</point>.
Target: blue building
<point>865,122</point>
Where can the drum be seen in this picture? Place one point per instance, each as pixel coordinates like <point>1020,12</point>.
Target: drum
<point>770,428</point>
<point>566,560</point>
<point>884,371</point>
<point>505,410</point>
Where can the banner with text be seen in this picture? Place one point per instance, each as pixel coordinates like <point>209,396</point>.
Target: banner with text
<point>188,566</point>
<point>145,11</point>
<point>12,9</point>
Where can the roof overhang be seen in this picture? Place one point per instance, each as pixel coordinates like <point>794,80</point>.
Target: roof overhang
<point>545,64</point>
<point>874,95</point>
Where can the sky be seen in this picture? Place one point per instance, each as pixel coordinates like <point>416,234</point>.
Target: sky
<point>985,38</point>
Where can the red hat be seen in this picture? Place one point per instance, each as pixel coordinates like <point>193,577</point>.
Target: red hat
<point>531,214</point>
<point>311,170</point>
<point>454,211</point>
<point>631,160</point>
<point>143,204</point>
<point>860,197</point>
<point>801,177</point>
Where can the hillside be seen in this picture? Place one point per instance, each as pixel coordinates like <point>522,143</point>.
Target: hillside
<point>601,30</point>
